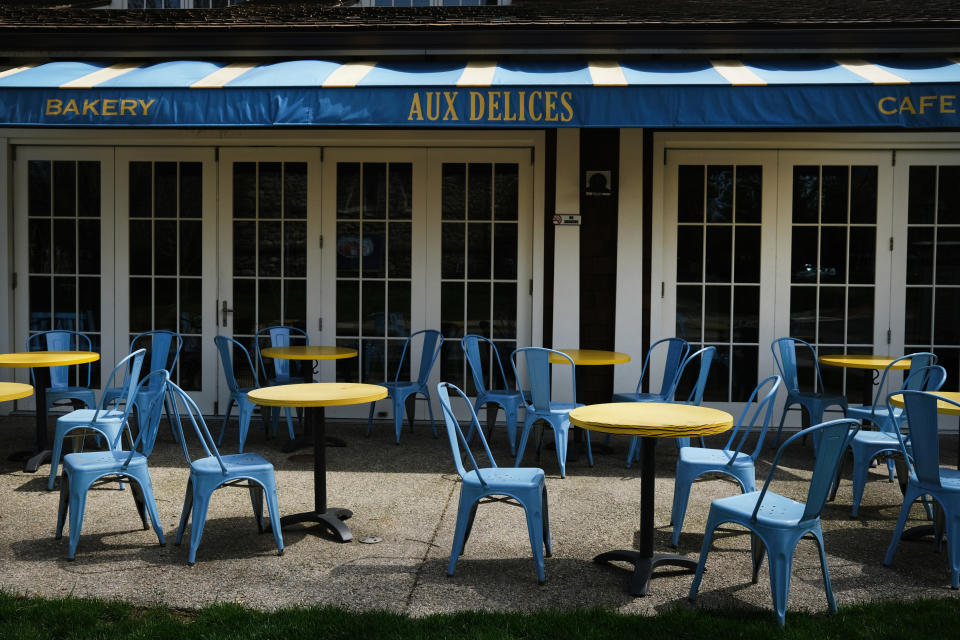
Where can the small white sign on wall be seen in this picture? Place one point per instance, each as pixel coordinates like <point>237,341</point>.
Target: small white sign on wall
<point>566,218</point>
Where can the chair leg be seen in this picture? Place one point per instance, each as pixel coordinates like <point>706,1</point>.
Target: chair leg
<point>64,505</point>
<point>470,519</point>
<point>860,468</point>
<point>142,480</point>
<point>908,498</point>
<point>783,417</point>
<point>289,416</point>
<point>399,406</point>
<point>433,425</point>
<point>535,532</point>
<point>827,586</point>
<point>256,499</point>
<point>201,503</point>
<point>704,551</point>
<point>55,459</point>
<point>456,549</point>
<point>185,513</point>
<point>589,448</point>
<point>632,450</point>
<point>953,549</point>
<point>78,502</point>
<point>243,424</point>
<point>560,442</point>
<point>524,436</point>
<point>273,509</point>
<point>510,413</point>
<point>226,421</point>
<point>781,566</point>
<point>492,410</point>
<point>373,406</point>
<point>410,404</point>
<point>546,522</point>
<point>758,550</point>
<point>681,496</point>
<point>139,501</point>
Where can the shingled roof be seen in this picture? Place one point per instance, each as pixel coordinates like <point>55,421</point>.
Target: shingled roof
<point>572,27</point>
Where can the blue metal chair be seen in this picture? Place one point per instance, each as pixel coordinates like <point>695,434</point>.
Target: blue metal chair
<point>238,394</point>
<point>163,348</point>
<point>777,523</point>
<point>928,478</point>
<point>81,470</point>
<point>867,445</point>
<point>108,419</point>
<point>814,402</point>
<point>525,486</point>
<point>281,336</point>
<point>705,357</point>
<point>212,471</point>
<point>60,387</point>
<point>677,350</point>
<point>539,406</point>
<point>399,391</point>
<point>731,460</point>
<point>509,399</point>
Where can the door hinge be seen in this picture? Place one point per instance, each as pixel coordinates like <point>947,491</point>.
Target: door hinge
<point>533,152</point>
<point>893,158</point>
<point>13,154</point>
<point>321,154</point>
<point>216,407</point>
<point>319,324</point>
<point>216,156</point>
<point>13,280</point>
<point>888,336</point>
<point>891,243</point>
<point>662,289</point>
<point>321,241</point>
<point>530,289</point>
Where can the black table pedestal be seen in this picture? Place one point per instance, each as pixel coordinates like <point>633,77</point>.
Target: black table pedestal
<point>645,561</point>
<point>330,517</point>
<point>40,454</point>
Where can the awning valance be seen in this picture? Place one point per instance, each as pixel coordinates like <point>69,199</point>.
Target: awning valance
<point>781,93</point>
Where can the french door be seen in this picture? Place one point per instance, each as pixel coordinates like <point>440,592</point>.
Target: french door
<point>165,252</point>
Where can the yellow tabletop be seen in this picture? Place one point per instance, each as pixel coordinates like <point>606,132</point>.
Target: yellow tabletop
<point>942,407</point>
<point>863,361</point>
<point>14,391</point>
<point>317,394</point>
<point>652,419</point>
<point>591,357</point>
<point>309,352</point>
<point>47,358</point>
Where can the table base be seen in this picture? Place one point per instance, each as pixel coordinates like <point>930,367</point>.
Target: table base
<point>643,566</point>
<point>333,519</point>
<point>37,459</point>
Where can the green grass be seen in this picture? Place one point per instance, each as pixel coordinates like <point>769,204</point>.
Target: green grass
<point>74,618</point>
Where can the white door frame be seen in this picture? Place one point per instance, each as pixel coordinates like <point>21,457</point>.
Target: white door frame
<point>105,156</point>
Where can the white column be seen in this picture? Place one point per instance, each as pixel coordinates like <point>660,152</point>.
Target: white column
<point>629,321</point>
<point>566,261</point>
<point>6,265</point>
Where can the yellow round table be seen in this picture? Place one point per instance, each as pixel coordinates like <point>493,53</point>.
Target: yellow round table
<point>313,397</point>
<point>40,361</point>
<point>649,420</point>
<point>945,408</point>
<point>864,361</point>
<point>591,357</point>
<point>14,391</point>
<point>308,352</point>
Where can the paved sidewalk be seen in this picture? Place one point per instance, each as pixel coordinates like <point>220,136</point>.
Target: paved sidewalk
<point>407,496</point>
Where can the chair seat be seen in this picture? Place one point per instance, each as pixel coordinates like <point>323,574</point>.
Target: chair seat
<point>637,397</point>
<point>826,398</point>
<point>507,477</point>
<point>278,380</point>
<point>564,407</point>
<point>237,462</point>
<point>65,392</point>
<point>776,511</point>
<point>500,395</point>
<point>949,480</point>
<point>866,412</point>
<point>93,461</point>
<point>85,416</point>
<point>399,386</point>
<point>720,457</point>
<point>877,438</point>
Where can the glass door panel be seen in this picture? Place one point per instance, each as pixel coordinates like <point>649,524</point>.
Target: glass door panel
<point>929,185</point>
<point>720,218</point>
<point>836,273</point>
<point>268,210</point>
<point>64,214</point>
<point>165,258</point>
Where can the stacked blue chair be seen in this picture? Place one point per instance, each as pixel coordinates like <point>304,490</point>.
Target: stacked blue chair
<point>281,336</point>
<point>401,389</point>
<point>60,387</point>
<point>705,358</point>
<point>509,399</point>
<point>525,486</point>
<point>928,478</point>
<point>238,394</point>
<point>867,445</point>
<point>777,523</point>
<point>212,471</point>
<point>110,416</point>
<point>731,460</point>
<point>163,348</point>
<point>814,402</point>
<point>539,406</point>
<point>81,470</point>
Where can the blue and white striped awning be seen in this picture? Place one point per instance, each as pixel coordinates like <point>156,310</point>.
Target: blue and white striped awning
<point>910,93</point>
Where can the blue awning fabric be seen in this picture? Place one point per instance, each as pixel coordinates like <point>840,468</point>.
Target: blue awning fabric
<point>785,93</point>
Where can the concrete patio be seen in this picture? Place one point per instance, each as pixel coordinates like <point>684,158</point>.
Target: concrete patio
<point>407,496</point>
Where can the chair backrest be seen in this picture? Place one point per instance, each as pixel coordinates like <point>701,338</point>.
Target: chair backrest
<point>924,455</point>
<point>470,344</point>
<point>536,363</point>
<point>677,350</point>
<point>455,433</point>
<point>705,356</point>
<point>183,404</point>
<point>917,360</point>
<point>280,336</point>
<point>129,367</point>
<point>765,395</point>
<point>226,360</point>
<point>834,437</point>
<point>785,355</point>
<point>147,429</point>
<point>61,340</point>
<point>164,347</point>
<point>432,342</point>
<point>923,379</point>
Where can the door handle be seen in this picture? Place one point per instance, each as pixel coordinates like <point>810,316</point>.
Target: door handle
<point>224,311</point>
